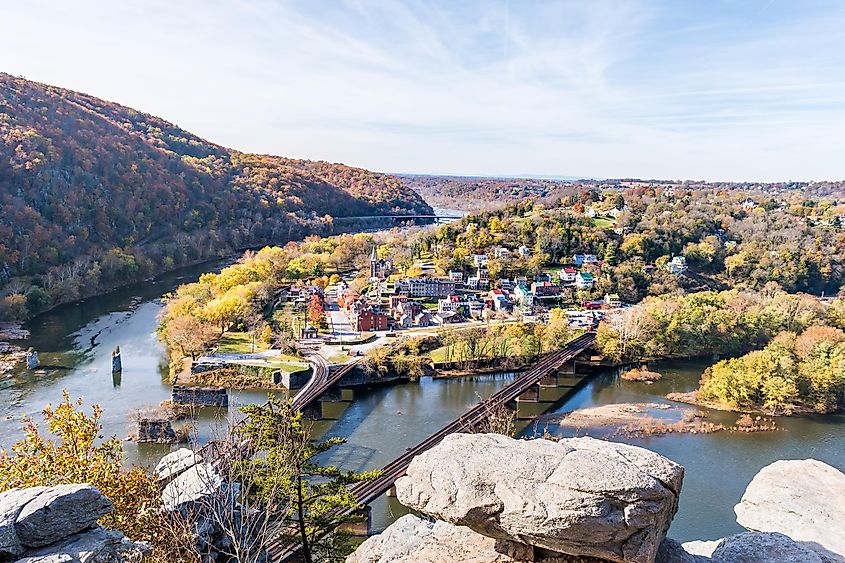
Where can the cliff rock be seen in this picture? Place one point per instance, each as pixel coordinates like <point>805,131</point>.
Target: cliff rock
<point>758,547</point>
<point>59,525</point>
<point>804,499</point>
<point>578,496</point>
<point>59,512</point>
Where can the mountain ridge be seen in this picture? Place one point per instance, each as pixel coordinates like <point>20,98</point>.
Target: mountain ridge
<point>101,193</point>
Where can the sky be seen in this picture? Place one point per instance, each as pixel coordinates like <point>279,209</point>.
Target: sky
<point>676,89</point>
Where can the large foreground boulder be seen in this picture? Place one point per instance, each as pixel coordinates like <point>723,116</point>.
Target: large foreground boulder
<point>11,504</point>
<point>96,545</point>
<point>199,485</point>
<point>758,547</point>
<point>578,496</point>
<point>175,463</point>
<point>804,499</point>
<point>59,512</point>
<point>412,539</point>
<point>59,525</point>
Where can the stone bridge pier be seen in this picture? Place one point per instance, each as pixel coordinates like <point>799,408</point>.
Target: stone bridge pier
<point>554,387</point>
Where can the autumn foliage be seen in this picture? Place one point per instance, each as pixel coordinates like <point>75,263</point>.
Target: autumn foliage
<point>94,194</point>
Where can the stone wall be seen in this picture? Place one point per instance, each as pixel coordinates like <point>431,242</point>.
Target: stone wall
<point>199,396</point>
<point>156,430</point>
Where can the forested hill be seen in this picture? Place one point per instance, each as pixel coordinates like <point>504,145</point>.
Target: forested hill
<point>93,193</point>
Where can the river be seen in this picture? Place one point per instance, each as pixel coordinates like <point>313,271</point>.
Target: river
<point>720,465</point>
<point>75,344</point>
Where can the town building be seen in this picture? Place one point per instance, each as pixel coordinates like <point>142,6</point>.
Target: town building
<point>379,269</point>
<point>612,300</point>
<point>396,301</point>
<point>479,260</point>
<point>500,300</point>
<point>523,296</point>
<point>423,318</point>
<point>677,265</point>
<point>475,308</point>
<point>368,318</point>
<point>524,251</point>
<point>449,317</point>
<point>451,303</point>
<point>584,280</point>
<point>567,276</point>
<point>501,252</point>
<point>456,276</point>
<point>426,287</point>
<point>581,259</point>
<point>545,290</point>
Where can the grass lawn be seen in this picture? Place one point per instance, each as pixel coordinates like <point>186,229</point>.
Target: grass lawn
<point>341,358</point>
<point>239,343</point>
<point>289,367</point>
<point>603,223</point>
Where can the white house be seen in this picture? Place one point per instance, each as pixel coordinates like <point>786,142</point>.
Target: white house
<point>584,280</point>
<point>524,251</point>
<point>523,295</point>
<point>677,265</point>
<point>567,276</point>
<point>479,260</point>
<point>501,252</point>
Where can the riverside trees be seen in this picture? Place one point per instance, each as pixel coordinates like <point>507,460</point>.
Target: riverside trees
<point>727,322</point>
<point>795,372</point>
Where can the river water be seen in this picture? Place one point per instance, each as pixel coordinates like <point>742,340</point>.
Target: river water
<point>75,344</point>
<point>720,465</point>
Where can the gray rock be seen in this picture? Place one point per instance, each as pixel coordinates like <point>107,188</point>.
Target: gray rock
<point>201,482</point>
<point>671,551</point>
<point>412,539</point>
<point>59,512</point>
<point>53,558</point>
<point>701,547</point>
<point>175,463</point>
<point>96,545</point>
<point>579,496</point>
<point>804,499</point>
<point>763,547</point>
<point>11,504</point>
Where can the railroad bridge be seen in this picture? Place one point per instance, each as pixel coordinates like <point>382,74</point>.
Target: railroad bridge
<point>552,378</point>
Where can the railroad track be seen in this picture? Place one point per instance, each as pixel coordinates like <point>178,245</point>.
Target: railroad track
<point>317,386</point>
<point>320,382</point>
<point>370,490</point>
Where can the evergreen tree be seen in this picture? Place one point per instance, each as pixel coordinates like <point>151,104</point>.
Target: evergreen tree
<point>286,463</point>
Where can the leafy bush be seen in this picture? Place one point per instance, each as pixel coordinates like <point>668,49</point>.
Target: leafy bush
<point>73,450</point>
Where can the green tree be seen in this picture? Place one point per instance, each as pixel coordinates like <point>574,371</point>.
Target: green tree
<point>286,463</point>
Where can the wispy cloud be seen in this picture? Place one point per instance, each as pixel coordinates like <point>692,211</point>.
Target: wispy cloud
<point>600,88</point>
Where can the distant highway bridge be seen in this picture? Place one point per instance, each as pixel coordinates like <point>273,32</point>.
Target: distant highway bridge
<point>442,218</point>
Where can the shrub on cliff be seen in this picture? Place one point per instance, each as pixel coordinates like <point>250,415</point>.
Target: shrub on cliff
<point>73,450</point>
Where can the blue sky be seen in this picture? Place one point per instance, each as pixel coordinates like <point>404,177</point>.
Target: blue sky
<point>678,89</point>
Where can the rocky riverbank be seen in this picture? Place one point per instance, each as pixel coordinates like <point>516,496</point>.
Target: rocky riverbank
<point>650,419</point>
<point>11,355</point>
<point>487,498</point>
